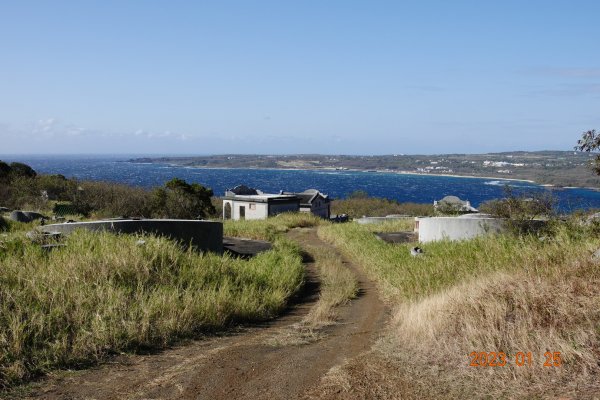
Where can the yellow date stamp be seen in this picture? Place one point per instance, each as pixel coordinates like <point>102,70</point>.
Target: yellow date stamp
<point>551,359</point>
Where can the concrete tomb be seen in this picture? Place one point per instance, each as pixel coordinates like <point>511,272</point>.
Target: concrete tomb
<point>468,226</point>
<point>378,220</point>
<point>203,235</point>
<point>26,216</point>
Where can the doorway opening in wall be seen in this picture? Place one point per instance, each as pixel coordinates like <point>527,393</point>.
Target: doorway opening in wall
<point>227,211</point>
<point>242,212</point>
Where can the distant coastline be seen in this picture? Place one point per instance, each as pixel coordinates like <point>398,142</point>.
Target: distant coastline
<point>558,169</point>
<point>400,185</point>
<point>326,169</point>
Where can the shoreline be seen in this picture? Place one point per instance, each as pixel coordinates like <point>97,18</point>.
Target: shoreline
<point>495,178</point>
<point>545,185</point>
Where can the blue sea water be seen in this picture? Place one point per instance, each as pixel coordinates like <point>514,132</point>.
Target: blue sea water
<point>338,184</point>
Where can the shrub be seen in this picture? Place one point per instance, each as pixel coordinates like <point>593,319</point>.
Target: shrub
<point>357,206</point>
<point>179,199</point>
<point>520,210</point>
<point>4,171</point>
<point>104,199</point>
<point>18,169</point>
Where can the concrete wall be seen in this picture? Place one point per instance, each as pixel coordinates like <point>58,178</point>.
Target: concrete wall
<point>278,208</point>
<point>203,235</point>
<point>252,210</point>
<point>456,228</point>
<point>378,220</point>
<point>320,211</point>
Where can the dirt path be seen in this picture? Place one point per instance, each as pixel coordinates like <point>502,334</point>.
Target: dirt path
<point>244,365</point>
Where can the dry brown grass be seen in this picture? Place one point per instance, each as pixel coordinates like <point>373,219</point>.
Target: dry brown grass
<point>356,207</point>
<point>504,313</point>
<point>505,294</point>
<point>338,286</point>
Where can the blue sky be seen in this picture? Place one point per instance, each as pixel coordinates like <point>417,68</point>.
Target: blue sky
<point>343,77</point>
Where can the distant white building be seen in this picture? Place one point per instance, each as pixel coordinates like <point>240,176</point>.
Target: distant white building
<point>243,202</point>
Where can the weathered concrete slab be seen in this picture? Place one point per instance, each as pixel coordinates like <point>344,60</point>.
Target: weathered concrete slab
<point>397,237</point>
<point>203,235</point>
<point>379,220</point>
<point>245,247</point>
<point>26,216</point>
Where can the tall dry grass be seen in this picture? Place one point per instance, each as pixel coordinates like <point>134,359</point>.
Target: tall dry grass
<point>357,207</point>
<point>494,294</point>
<point>104,293</point>
<point>432,338</point>
<point>396,225</point>
<point>270,228</point>
<point>338,286</point>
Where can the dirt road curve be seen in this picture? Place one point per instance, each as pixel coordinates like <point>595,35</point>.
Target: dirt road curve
<point>254,363</point>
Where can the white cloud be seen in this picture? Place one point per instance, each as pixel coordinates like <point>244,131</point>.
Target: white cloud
<point>54,128</point>
<point>160,135</point>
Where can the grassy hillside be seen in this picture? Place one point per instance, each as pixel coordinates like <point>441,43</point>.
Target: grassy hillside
<point>496,294</point>
<point>103,294</point>
<point>269,229</point>
<point>358,206</point>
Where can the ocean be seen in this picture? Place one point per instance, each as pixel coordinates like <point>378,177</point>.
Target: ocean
<point>338,184</point>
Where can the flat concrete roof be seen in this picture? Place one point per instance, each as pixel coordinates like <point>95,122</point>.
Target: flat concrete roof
<point>263,198</point>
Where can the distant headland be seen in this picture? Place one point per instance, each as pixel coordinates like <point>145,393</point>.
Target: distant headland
<point>552,168</point>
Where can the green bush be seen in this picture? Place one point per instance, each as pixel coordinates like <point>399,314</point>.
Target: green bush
<point>358,205</point>
<point>23,188</point>
<point>103,199</point>
<point>520,210</point>
<point>179,199</point>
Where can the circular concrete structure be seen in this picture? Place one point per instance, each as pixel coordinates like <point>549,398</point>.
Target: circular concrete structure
<point>456,228</point>
<point>203,235</point>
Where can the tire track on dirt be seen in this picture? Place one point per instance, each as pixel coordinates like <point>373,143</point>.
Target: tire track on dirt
<point>242,365</point>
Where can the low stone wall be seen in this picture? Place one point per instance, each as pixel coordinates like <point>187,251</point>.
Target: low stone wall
<point>378,220</point>
<point>456,228</point>
<point>203,235</point>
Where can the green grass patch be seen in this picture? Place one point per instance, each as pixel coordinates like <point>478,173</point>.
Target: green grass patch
<point>447,263</point>
<point>360,205</point>
<point>338,286</point>
<point>270,228</point>
<point>396,225</point>
<point>502,294</point>
<point>104,293</point>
